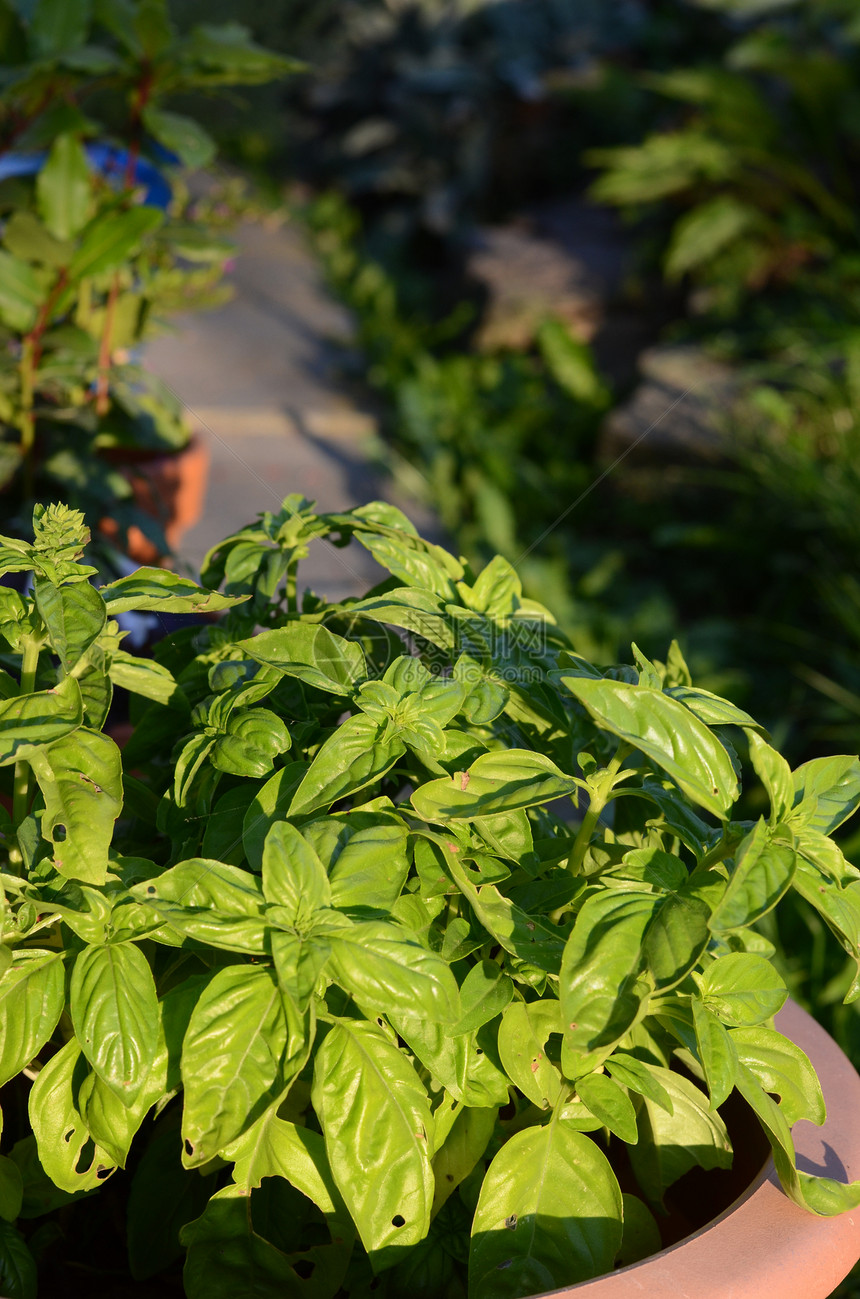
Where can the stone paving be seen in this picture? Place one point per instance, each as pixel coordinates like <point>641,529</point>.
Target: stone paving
<point>259,380</point>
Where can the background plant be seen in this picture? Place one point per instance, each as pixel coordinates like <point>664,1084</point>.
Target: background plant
<point>334,921</point>
<point>97,244</point>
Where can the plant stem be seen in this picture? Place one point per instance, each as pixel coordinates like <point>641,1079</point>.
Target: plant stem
<point>21,779</point>
<point>599,798</point>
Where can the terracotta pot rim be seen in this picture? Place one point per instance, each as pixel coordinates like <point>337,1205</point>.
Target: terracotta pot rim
<point>762,1242</point>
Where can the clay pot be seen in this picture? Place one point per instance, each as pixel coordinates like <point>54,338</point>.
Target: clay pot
<point>763,1244</point>
<point>172,488</point>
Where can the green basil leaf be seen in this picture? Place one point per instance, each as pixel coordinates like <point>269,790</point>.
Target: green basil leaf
<point>270,804</point>
<point>484,994</point>
<point>181,135</point>
<point>711,709</point>
<point>386,969</point>
<point>253,740</point>
<point>677,934</point>
<point>23,289</point>
<point>371,868</point>
<point>762,873</point>
<point>238,1054</point>
<point>224,1251</point>
<point>114,1010</point>
<point>67,1153</point>
<point>500,781</point>
<point>670,1145</point>
<point>32,996</point>
<point>354,757</point>
<point>293,875</point>
<point>783,1070</point>
<point>11,1197</point>
<point>549,1215</point>
<point>27,722</point>
<point>775,774</point>
<point>834,785</point>
<point>156,590</point>
<point>717,1053</point>
<point>80,777</point>
<point>209,901</point>
<point>107,242</point>
<point>144,677</point>
<point>164,1196</point>
<point>411,609</point>
<point>609,1103</point>
<point>313,654</point>
<point>378,1134</point>
<point>463,1147</point>
<point>17,1266</point>
<point>639,1077</point>
<point>600,996</point>
<point>666,732</point>
<point>641,1234</point>
<point>821,1195</point>
<point>742,989</point>
<point>64,188</point>
<point>74,616</point>
<point>523,1035</point>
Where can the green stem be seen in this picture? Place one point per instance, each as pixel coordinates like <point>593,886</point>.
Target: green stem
<point>292,586</point>
<point>600,794</point>
<point>21,779</point>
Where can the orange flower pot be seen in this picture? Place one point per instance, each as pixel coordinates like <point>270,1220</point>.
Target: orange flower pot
<point>172,488</point>
<point>763,1244</point>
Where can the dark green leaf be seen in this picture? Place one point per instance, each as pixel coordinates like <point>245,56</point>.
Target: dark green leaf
<point>181,135</point>
<point>63,185</point>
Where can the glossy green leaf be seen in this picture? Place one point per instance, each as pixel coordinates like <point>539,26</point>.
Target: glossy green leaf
<point>416,611</point>
<point>677,934</point>
<point>501,781</point>
<point>378,1135</point>
<point>224,1252</point>
<point>29,721</point>
<point>742,989</point>
<point>354,757</point>
<point>459,1154</point>
<point>834,785</point>
<point>385,968</point>
<point>638,1076</point>
<point>371,868</point>
<point>484,993</point>
<point>270,804</point>
<point>641,1236</point>
<point>821,1195</point>
<point>23,289</point>
<point>80,776</point>
<point>775,774</point>
<point>762,874</point>
<point>668,733</point>
<point>710,708</point>
<point>549,1215</point>
<point>114,1010</point>
<point>523,1035</point>
<point>600,996</point>
<point>783,1070</point>
<point>64,188</point>
<point>74,616</point>
<point>144,677</point>
<point>251,741</point>
<point>669,1145</point>
<point>609,1103</point>
<point>237,1056</point>
<point>66,1151</point>
<point>210,902</point>
<point>530,940</point>
<point>293,876</point>
<point>181,135</point>
<point>313,654</point>
<point>32,995</point>
<point>158,591</point>
<point>717,1053</point>
<point>106,243</point>
<point>18,1274</point>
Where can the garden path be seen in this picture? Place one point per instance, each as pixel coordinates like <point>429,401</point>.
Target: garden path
<point>259,379</point>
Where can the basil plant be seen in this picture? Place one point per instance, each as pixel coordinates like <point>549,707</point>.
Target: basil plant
<point>401,949</point>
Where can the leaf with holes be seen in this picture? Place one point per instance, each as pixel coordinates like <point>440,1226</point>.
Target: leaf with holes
<point>378,1134</point>
<point>549,1215</point>
<point>66,1150</point>
<point>80,777</point>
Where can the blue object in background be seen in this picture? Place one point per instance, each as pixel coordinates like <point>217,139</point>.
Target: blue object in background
<point>111,161</point>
